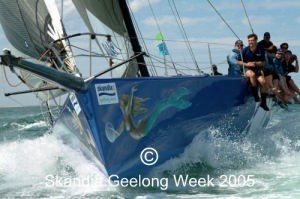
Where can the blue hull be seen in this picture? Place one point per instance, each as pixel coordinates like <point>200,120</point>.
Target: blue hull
<point>116,119</point>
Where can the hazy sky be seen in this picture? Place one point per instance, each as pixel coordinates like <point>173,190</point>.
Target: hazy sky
<point>202,25</point>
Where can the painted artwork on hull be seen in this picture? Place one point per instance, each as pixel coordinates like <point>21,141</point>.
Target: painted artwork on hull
<point>133,106</point>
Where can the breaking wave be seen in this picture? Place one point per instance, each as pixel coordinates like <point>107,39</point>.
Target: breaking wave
<point>29,166</point>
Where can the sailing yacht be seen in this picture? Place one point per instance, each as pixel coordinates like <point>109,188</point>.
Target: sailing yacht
<point>135,121</point>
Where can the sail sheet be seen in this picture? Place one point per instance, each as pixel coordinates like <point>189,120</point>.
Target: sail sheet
<point>105,16</point>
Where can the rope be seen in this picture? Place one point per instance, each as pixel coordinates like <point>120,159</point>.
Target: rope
<point>22,75</point>
<point>43,55</point>
<point>183,32</point>
<point>222,19</point>
<point>27,75</point>
<point>3,89</point>
<point>247,16</point>
<point>8,82</point>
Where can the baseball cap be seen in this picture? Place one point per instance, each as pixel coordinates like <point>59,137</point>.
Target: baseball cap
<point>239,43</point>
<point>267,34</point>
<point>272,49</point>
<point>288,51</point>
<point>279,51</point>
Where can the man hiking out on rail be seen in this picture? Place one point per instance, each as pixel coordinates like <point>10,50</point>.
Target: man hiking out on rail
<point>253,61</point>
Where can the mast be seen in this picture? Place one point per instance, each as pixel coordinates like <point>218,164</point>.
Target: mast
<point>133,38</point>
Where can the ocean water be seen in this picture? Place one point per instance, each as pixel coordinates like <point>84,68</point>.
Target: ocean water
<point>266,164</point>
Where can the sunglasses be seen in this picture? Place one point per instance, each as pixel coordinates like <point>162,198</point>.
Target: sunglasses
<point>284,47</point>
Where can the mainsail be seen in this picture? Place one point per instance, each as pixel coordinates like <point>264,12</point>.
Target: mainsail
<point>31,26</point>
<point>106,16</point>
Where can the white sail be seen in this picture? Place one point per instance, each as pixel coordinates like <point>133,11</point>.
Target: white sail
<point>31,26</point>
<point>105,16</point>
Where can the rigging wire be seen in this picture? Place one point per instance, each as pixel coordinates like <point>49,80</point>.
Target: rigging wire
<point>230,26</point>
<point>247,16</point>
<point>183,67</point>
<point>219,14</point>
<point>210,58</point>
<point>183,32</point>
<point>153,70</point>
<point>159,29</point>
<point>177,40</point>
<point>155,19</point>
<point>251,31</point>
<point>170,67</point>
<point>3,89</point>
<point>62,10</point>
<point>16,101</point>
<point>50,113</point>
